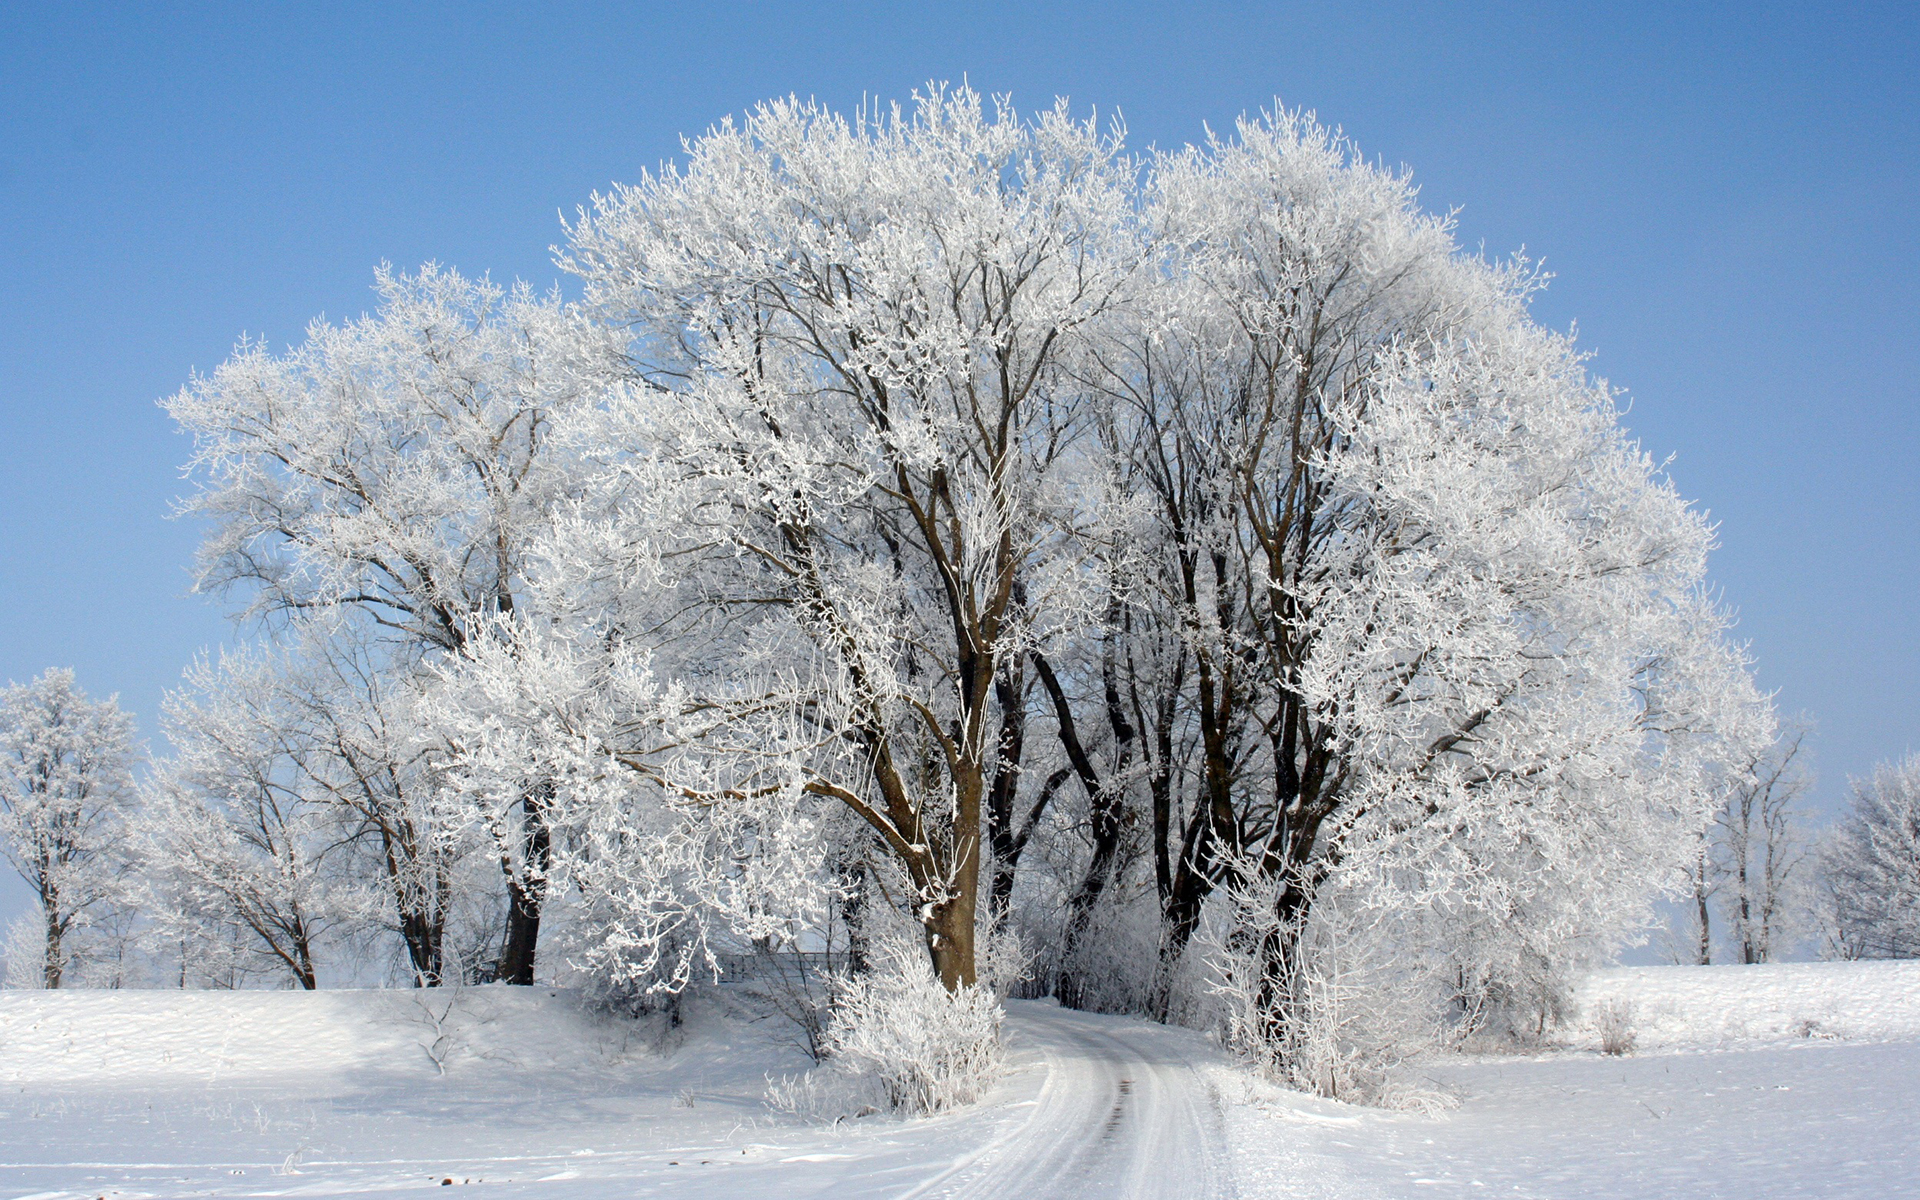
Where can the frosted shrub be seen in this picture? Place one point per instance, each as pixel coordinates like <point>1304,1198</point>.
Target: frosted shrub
<point>899,1042</point>
<point>23,953</point>
<point>1004,961</point>
<point>1115,964</point>
<point>1613,1020</point>
<point>1342,1012</point>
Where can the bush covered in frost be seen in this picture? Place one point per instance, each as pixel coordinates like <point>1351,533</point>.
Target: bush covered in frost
<point>899,1042</point>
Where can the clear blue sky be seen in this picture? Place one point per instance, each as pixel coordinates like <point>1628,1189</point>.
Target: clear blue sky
<point>1726,194</point>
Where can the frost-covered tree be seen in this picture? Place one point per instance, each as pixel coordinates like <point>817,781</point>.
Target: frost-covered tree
<point>236,838</point>
<point>391,472</point>
<point>1522,688</point>
<point>959,470</point>
<point>66,784</point>
<point>1869,877</point>
<point>1759,850</point>
<point>843,484</point>
<point>1414,626</point>
<point>362,748</point>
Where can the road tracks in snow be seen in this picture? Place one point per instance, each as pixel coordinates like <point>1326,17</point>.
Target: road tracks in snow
<point>1118,1109</point>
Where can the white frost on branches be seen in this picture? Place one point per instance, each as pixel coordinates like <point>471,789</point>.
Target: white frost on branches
<point>1870,867</point>
<point>941,517</point>
<point>66,784</point>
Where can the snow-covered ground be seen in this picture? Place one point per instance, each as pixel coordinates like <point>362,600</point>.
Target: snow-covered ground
<point>1758,1081</point>
<point>1711,1008</point>
<point>1816,1120</point>
<point>1778,1081</point>
<point>281,1093</point>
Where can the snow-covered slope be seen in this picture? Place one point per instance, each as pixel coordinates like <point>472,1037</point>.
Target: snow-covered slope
<point>1703,1008</point>
<point>1813,1121</point>
<point>156,1037</point>
<point>1784,1081</point>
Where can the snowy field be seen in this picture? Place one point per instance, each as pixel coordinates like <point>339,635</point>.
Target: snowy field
<point>1785,1080</point>
<point>1747,1081</point>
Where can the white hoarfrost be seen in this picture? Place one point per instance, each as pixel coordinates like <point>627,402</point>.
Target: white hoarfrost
<point>66,789</point>
<point>898,1041</point>
<point>1870,867</point>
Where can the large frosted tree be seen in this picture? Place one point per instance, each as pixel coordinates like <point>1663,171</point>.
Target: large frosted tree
<point>961,461</point>
<point>850,454</point>
<point>910,490</point>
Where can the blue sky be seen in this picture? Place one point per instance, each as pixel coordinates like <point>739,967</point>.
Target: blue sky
<point>1726,196</point>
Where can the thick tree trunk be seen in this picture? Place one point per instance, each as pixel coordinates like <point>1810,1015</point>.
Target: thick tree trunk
<point>950,942</point>
<point>53,966</point>
<point>1009,689</point>
<point>526,892</point>
<point>422,933</point>
<point>949,924</point>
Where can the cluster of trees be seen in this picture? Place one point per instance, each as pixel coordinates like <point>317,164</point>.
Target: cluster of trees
<point>1179,577</point>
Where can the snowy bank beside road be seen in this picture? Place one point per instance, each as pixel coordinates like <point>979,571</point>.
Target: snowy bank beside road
<point>156,1038</point>
<point>1792,1082</point>
<point>1710,1008</point>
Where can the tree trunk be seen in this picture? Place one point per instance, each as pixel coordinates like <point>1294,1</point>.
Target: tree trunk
<point>1279,1001</point>
<point>853,915</point>
<point>422,909</point>
<point>1107,815</point>
<point>303,959</point>
<point>950,941</point>
<point>526,892</point>
<point>1009,688</point>
<point>423,936</point>
<point>1104,805</point>
<point>52,964</point>
<point>1705,951</point>
<point>949,924</point>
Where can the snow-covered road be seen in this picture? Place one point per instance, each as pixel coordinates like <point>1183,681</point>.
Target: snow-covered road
<point>1120,1110</point>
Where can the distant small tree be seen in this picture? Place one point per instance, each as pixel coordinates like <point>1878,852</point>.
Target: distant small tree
<point>1759,850</point>
<point>1869,879</point>
<point>66,781</point>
